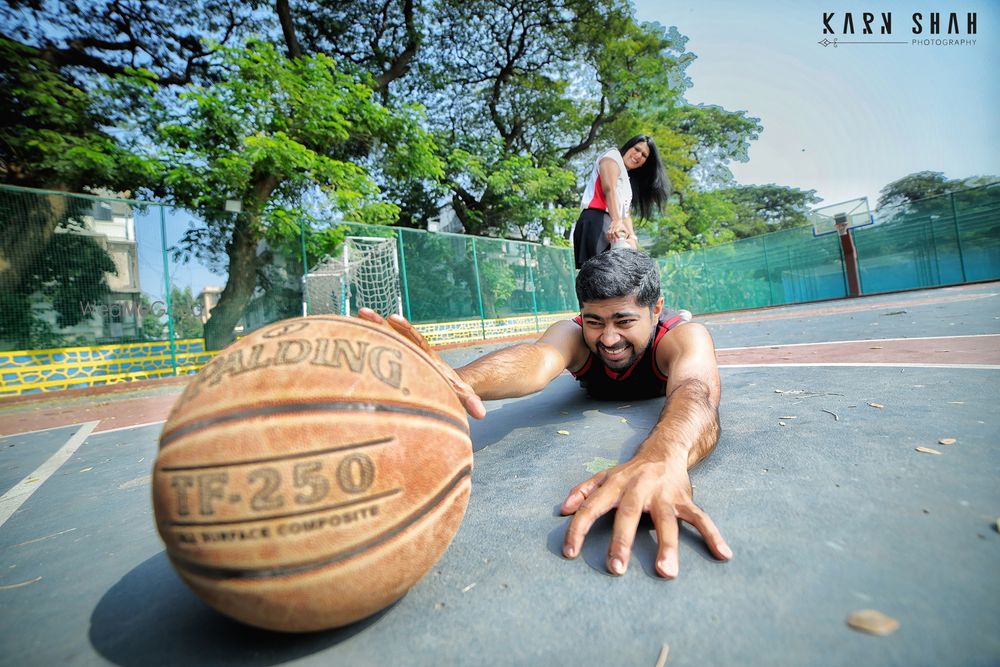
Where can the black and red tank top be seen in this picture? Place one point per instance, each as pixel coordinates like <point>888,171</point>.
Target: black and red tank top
<point>642,379</point>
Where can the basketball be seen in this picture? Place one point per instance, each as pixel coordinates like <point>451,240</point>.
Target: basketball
<point>312,473</point>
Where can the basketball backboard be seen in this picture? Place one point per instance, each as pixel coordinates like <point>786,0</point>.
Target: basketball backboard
<point>851,214</point>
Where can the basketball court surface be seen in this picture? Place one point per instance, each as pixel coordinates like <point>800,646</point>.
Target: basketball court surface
<point>817,484</point>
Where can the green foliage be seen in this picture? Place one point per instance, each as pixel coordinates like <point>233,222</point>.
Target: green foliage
<point>916,186</point>
<point>517,194</point>
<point>713,136</point>
<point>288,122</point>
<point>53,133</point>
<point>69,274</point>
<point>187,323</point>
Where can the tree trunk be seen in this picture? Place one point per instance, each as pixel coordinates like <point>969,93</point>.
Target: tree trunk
<point>243,261</point>
<point>30,220</point>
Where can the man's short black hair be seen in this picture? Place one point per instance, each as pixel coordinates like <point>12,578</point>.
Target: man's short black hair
<point>619,273</point>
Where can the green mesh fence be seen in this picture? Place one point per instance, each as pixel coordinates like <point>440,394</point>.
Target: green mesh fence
<point>944,240</point>
<point>789,266</point>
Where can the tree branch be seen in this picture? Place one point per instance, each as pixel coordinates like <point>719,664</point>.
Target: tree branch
<point>599,120</point>
<point>401,63</point>
<point>288,28</point>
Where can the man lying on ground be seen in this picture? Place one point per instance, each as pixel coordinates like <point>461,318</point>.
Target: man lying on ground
<point>624,345</point>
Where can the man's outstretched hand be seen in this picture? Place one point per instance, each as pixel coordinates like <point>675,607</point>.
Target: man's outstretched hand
<point>473,404</point>
<point>663,489</point>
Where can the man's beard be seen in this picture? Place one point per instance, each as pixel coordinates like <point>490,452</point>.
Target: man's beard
<point>626,361</point>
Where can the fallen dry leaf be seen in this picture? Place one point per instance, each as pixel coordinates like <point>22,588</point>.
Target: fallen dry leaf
<point>946,441</point>
<point>563,432</point>
<point>928,450</point>
<point>782,424</point>
<point>873,622</point>
<point>877,405</point>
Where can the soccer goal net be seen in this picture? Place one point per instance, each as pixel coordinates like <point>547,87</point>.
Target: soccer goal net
<point>364,275</point>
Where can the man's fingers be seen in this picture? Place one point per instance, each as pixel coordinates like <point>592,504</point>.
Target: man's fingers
<point>667,535</point>
<point>626,523</point>
<point>581,492</point>
<point>595,506</point>
<point>403,327</point>
<point>470,399</point>
<point>371,316</point>
<point>698,518</point>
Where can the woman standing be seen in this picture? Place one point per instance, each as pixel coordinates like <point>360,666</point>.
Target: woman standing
<point>631,178</point>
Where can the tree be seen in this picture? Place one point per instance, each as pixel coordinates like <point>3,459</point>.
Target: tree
<point>267,133</point>
<point>916,186</point>
<point>187,323</point>
<point>761,209</point>
<point>70,274</point>
<point>52,137</point>
<point>57,111</point>
<point>545,81</point>
<point>170,42</point>
<point>380,37</point>
<point>714,136</point>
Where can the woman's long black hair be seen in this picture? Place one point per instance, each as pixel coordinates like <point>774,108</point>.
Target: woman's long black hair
<point>650,184</point>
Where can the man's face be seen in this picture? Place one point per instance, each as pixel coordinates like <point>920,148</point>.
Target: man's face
<point>619,330</point>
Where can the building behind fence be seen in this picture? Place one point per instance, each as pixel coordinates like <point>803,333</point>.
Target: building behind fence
<point>100,290</point>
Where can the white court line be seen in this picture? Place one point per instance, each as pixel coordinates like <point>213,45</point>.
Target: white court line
<point>11,501</point>
<point>125,428</point>
<point>41,430</point>
<point>841,342</point>
<point>988,367</point>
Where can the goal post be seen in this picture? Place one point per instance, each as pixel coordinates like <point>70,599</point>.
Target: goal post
<point>364,275</point>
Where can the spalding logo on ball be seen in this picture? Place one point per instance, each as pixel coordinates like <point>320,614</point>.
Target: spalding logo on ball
<point>312,473</point>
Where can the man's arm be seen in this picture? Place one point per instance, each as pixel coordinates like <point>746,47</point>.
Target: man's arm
<point>526,368</point>
<point>656,479</point>
<point>506,373</point>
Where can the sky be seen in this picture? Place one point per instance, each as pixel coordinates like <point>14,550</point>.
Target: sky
<point>847,120</point>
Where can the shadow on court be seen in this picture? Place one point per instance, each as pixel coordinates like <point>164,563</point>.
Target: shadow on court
<point>151,618</point>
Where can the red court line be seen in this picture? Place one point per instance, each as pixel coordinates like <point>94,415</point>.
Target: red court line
<point>835,308</point>
<point>963,350</point>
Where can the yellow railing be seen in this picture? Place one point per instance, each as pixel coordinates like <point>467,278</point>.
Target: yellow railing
<point>56,369</point>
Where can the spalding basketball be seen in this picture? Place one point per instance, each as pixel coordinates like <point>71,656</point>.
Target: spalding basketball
<point>311,473</point>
